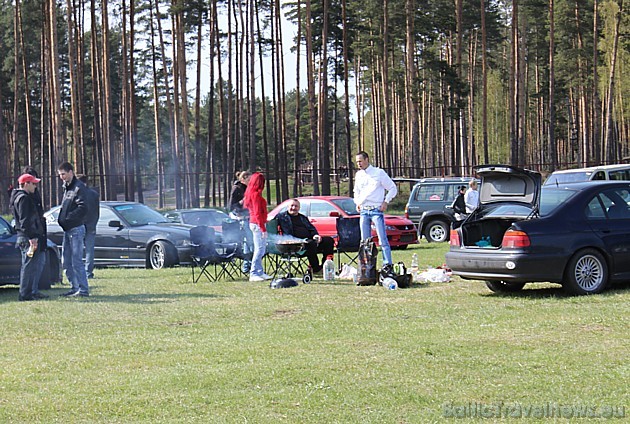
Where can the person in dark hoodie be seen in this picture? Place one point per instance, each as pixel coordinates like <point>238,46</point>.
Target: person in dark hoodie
<point>31,240</point>
<point>37,196</point>
<point>91,219</point>
<point>74,208</point>
<point>237,195</point>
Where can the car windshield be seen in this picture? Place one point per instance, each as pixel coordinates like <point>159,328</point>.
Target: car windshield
<point>138,214</point>
<point>210,218</point>
<point>347,205</point>
<point>568,177</point>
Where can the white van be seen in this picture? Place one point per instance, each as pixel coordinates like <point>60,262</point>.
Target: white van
<point>593,173</point>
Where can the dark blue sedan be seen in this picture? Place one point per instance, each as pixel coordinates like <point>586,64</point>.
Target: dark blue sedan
<point>576,235</point>
<point>11,259</point>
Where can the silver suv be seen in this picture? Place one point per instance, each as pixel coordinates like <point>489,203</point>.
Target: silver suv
<point>429,205</point>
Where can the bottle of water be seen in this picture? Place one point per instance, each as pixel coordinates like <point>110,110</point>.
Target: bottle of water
<point>329,269</point>
<point>414,262</point>
<point>389,283</point>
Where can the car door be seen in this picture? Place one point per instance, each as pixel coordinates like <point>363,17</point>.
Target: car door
<point>320,217</point>
<point>10,257</point>
<point>609,216</point>
<point>112,243</point>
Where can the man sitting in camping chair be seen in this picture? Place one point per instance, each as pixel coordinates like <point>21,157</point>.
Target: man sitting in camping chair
<point>293,223</point>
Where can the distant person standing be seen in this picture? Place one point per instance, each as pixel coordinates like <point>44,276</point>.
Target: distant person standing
<point>459,204</point>
<point>237,195</point>
<point>471,198</point>
<point>373,190</point>
<point>240,212</point>
<point>91,219</point>
<point>31,240</point>
<point>257,206</point>
<point>74,208</point>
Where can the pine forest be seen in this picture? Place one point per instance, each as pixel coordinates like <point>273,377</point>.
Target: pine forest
<point>171,98</point>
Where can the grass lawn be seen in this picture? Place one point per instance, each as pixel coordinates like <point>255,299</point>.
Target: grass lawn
<point>149,346</point>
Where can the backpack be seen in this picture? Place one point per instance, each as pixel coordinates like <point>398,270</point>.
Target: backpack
<point>399,273</point>
<point>367,263</point>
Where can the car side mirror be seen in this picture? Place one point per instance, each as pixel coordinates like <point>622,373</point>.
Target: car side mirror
<point>114,224</point>
<point>334,214</point>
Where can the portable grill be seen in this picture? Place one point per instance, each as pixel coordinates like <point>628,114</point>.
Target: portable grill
<point>290,262</point>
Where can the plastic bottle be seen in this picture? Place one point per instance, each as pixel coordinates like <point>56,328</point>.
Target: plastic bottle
<point>329,269</point>
<point>414,262</point>
<point>389,283</point>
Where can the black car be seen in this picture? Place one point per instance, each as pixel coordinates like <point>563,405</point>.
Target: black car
<point>11,259</point>
<point>576,235</point>
<point>198,216</point>
<point>130,234</point>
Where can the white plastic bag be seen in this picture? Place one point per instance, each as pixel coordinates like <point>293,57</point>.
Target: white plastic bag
<point>348,272</point>
<point>435,275</point>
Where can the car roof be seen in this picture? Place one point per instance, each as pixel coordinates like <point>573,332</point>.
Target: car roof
<point>321,198</point>
<point>593,168</point>
<point>434,180</point>
<point>199,210</point>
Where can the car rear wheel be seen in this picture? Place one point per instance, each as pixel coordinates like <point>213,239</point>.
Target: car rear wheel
<point>504,287</point>
<point>587,273</point>
<point>161,255</point>
<point>436,232</point>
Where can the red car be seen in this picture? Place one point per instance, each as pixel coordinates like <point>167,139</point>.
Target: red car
<point>323,211</point>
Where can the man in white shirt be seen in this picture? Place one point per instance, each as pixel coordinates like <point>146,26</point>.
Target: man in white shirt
<point>471,198</point>
<point>370,187</point>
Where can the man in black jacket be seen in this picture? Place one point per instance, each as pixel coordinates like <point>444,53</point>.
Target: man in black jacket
<point>74,206</point>
<point>31,240</point>
<point>293,223</point>
<point>91,219</point>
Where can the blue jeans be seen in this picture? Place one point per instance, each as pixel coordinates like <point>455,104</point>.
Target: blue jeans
<point>375,216</point>
<point>259,250</point>
<point>73,241</point>
<point>31,270</point>
<point>90,237</point>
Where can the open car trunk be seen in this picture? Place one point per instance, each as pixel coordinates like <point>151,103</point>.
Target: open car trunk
<point>507,195</point>
<point>486,233</point>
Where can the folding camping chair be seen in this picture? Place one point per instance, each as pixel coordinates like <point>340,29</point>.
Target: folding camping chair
<point>212,258</point>
<point>349,239</point>
<point>288,262</point>
<point>233,231</point>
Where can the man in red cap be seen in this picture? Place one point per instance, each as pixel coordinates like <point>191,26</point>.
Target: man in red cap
<point>31,240</point>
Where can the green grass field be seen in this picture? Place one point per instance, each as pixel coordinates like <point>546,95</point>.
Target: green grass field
<point>149,346</point>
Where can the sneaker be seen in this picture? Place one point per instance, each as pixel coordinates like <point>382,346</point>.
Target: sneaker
<point>84,294</point>
<point>79,294</point>
<point>266,276</point>
<point>70,293</point>
<point>257,278</point>
<point>39,295</point>
<point>26,298</point>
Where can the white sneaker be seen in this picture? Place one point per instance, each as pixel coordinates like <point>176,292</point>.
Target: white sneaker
<point>266,276</point>
<point>257,278</point>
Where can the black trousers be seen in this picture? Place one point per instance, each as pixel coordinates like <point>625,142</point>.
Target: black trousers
<point>326,247</point>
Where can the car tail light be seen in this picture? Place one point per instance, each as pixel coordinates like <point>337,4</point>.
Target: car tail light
<point>512,239</point>
<point>454,238</point>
